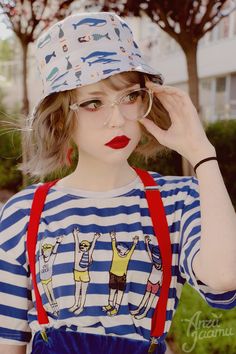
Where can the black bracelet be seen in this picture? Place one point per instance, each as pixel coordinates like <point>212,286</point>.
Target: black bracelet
<point>204,160</point>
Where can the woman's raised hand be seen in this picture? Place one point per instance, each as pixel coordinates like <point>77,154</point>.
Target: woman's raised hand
<point>186,134</point>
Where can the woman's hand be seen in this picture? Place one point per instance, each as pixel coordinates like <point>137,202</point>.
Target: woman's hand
<point>186,134</point>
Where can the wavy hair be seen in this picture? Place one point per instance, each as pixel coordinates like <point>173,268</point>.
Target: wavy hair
<point>49,131</point>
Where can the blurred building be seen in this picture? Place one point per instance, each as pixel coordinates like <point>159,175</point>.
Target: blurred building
<point>216,66</point>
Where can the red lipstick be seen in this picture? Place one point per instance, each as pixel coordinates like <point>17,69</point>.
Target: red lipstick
<point>119,142</point>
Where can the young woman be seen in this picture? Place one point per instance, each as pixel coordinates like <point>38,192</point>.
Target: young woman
<point>113,244</point>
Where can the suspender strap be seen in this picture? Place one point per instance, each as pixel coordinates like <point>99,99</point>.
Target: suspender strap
<point>32,234</point>
<point>160,225</point>
<point>159,221</point>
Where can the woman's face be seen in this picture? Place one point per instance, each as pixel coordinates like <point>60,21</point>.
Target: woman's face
<point>104,135</point>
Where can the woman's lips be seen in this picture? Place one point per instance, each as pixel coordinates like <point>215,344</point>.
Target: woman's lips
<point>119,142</point>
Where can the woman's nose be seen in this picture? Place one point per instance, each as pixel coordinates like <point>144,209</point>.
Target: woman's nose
<point>115,119</point>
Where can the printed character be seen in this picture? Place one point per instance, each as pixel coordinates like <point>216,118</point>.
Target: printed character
<point>153,282</point>
<point>47,257</point>
<point>83,259</point>
<point>118,271</point>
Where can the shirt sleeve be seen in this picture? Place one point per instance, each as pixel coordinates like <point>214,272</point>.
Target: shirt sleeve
<point>15,294</point>
<point>190,231</point>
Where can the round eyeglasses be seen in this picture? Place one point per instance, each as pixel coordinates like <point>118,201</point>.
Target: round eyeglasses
<point>133,105</point>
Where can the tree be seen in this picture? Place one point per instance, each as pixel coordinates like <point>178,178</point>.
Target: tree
<point>28,19</point>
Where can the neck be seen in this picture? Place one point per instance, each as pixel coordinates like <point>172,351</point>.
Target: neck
<point>99,176</point>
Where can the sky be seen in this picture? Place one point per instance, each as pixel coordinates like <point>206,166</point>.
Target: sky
<point>4,32</point>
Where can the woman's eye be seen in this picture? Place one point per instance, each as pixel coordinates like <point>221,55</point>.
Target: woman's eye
<point>131,97</point>
<point>91,105</point>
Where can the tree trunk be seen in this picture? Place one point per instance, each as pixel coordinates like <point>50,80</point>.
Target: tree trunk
<point>25,108</point>
<point>191,59</point>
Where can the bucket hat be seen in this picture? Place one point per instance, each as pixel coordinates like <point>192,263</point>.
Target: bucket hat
<point>85,48</point>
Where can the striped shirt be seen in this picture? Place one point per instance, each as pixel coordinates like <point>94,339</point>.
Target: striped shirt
<point>108,226</point>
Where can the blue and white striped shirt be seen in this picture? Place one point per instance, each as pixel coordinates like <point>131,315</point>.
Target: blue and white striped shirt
<point>117,292</point>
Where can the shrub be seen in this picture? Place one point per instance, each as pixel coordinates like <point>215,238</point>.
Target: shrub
<point>10,149</point>
<point>198,328</point>
<point>222,135</point>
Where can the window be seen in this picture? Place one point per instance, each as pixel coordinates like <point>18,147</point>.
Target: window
<point>220,97</point>
<point>232,95</point>
<point>223,31</point>
<point>205,94</point>
<point>234,23</point>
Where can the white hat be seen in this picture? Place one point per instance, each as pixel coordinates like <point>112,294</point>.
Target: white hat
<point>85,48</point>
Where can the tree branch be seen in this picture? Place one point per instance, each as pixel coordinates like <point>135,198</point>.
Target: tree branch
<point>199,27</point>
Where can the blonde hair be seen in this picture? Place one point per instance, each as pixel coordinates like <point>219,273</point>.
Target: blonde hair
<point>49,132</point>
<point>47,246</point>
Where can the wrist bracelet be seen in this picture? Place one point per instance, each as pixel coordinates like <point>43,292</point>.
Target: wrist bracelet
<point>204,160</point>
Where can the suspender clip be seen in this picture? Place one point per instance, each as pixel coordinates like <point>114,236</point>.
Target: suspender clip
<point>44,335</point>
<point>153,346</point>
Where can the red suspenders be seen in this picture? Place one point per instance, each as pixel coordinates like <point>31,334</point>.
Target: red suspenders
<point>157,213</point>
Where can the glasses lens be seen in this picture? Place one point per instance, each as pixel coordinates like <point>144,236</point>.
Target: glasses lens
<point>136,104</point>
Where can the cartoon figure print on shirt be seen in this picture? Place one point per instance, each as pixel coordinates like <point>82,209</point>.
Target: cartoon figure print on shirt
<point>153,283</point>
<point>121,255</point>
<point>48,253</point>
<point>83,259</point>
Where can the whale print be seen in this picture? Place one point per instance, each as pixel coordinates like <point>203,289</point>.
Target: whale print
<point>69,65</point>
<point>52,74</point>
<point>91,22</point>
<point>98,54</point>
<point>50,56</point>
<point>44,41</point>
<point>59,85</point>
<point>103,61</point>
<point>108,71</point>
<point>61,33</point>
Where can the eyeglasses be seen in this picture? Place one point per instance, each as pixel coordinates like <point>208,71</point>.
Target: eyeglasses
<point>133,105</point>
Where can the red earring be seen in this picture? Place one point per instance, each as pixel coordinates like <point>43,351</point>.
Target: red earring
<point>69,156</point>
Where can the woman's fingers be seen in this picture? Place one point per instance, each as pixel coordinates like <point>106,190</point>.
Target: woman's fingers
<point>176,101</point>
<point>166,89</point>
<point>156,131</point>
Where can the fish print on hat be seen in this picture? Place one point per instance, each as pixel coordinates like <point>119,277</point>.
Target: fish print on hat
<point>85,48</point>
<point>50,56</point>
<point>95,37</point>
<point>92,22</point>
<point>61,33</point>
